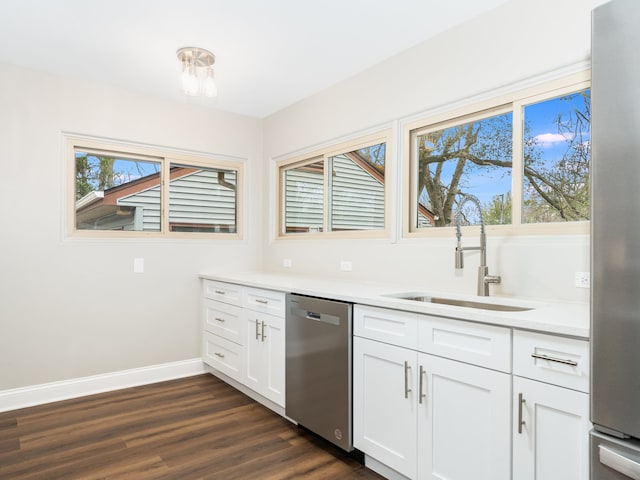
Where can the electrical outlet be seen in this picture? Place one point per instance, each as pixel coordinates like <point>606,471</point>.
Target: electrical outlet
<point>583,280</point>
<point>286,262</point>
<point>346,266</point>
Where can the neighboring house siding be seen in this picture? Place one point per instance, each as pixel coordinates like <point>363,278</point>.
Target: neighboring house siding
<point>303,199</point>
<point>357,197</point>
<point>196,198</point>
<point>147,204</point>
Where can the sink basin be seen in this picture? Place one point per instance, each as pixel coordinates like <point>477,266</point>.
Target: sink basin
<point>460,303</point>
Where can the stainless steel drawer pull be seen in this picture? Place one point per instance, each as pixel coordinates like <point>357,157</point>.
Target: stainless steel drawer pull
<point>218,354</point>
<point>220,292</point>
<point>406,379</point>
<point>554,359</point>
<point>619,462</point>
<point>521,402</point>
<point>263,335</point>
<point>420,394</point>
<point>260,300</point>
<point>218,319</point>
<point>257,329</point>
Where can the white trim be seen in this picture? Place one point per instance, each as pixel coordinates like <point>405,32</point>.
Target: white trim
<point>381,469</point>
<point>79,387</point>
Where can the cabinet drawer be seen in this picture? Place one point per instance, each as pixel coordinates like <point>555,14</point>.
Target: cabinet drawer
<point>224,320</point>
<point>267,301</point>
<point>223,292</point>
<point>483,345</point>
<point>388,326</point>
<point>223,355</point>
<point>552,359</point>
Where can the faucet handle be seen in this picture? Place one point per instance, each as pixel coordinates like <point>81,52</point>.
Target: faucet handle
<point>492,279</point>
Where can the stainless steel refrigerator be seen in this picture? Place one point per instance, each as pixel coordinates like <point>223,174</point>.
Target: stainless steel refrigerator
<point>615,247</point>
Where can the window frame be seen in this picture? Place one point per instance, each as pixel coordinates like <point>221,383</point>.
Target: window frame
<point>514,102</point>
<point>324,154</point>
<point>166,158</point>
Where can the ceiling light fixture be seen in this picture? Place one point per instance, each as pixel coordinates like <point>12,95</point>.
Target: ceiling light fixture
<point>197,71</point>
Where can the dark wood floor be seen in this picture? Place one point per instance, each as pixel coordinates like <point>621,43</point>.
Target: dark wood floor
<point>192,428</point>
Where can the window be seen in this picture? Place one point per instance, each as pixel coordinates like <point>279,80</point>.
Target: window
<point>120,191</point>
<point>340,190</point>
<point>526,161</point>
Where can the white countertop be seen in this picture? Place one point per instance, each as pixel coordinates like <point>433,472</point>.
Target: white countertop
<point>570,319</point>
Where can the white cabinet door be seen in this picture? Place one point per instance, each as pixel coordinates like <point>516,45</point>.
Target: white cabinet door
<point>554,437</point>
<point>464,420</point>
<point>265,355</point>
<point>384,404</point>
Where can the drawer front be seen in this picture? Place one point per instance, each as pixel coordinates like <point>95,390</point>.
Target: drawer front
<point>389,326</point>
<point>223,355</point>
<point>224,320</point>
<point>266,301</point>
<point>223,292</point>
<point>483,345</point>
<point>552,359</point>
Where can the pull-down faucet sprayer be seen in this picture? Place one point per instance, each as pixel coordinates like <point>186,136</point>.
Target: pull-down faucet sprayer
<point>484,279</point>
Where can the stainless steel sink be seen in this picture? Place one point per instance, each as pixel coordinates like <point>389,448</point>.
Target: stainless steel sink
<point>460,303</point>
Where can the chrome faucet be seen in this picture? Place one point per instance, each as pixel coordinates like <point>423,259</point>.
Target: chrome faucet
<point>484,279</point>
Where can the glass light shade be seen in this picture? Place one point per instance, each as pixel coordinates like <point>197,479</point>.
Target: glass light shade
<point>197,74</point>
<point>190,84</point>
<point>209,85</point>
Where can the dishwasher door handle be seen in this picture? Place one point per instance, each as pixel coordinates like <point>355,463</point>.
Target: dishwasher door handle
<point>317,317</point>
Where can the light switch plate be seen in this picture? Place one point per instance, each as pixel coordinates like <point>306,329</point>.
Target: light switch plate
<point>138,265</point>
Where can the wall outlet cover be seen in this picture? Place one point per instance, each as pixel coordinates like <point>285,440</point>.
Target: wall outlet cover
<point>583,280</point>
<point>346,265</point>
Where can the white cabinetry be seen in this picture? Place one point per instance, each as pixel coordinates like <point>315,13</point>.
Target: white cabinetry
<point>463,421</point>
<point>265,355</point>
<point>425,416</point>
<point>384,411</point>
<point>243,336</point>
<point>551,422</point>
<point>223,335</point>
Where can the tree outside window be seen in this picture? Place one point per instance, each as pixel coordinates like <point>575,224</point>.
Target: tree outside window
<point>476,157</point>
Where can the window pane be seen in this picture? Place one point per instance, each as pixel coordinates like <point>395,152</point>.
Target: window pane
<point>116,193</point>
<point>202,199</point>
<point>471,158</point>
<point>304,198</point>
<point>357,189</point>
<point>556,159</point>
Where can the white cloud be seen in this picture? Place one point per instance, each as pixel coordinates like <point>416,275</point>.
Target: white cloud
<point>548,139</point>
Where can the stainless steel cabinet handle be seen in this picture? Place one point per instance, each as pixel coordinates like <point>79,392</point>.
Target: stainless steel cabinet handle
<point>257,329</point>
<point>521,402</point>
<point>218,354</point>
<point>218,319</point>
<point>259,300</point>
<point>554,359</point>
<point>420,394</point>
<point>263,335</point>
<point>220,292</point>
<point>406,379</point>
<point>619,462</point>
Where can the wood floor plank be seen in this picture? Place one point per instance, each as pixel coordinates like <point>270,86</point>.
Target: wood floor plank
<point>194,428</point>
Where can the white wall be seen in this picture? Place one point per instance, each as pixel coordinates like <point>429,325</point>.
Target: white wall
<point>515,42</point>
<point>73,308</point>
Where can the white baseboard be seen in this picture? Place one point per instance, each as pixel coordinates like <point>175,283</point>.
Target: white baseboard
<point>381,469</point>
<point>79,387</point>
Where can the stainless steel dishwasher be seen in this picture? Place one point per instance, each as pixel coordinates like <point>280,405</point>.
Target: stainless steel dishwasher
<point>318,367</point>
